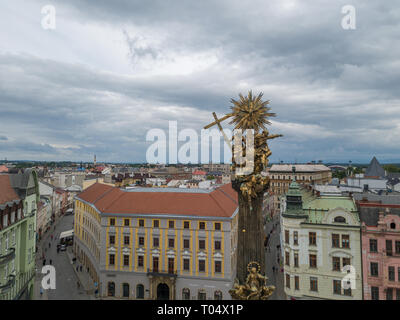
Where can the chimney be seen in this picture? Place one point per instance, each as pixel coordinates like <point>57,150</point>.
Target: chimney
<point>381,223</point>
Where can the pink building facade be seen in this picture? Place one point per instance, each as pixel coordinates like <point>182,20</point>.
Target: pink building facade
<point>381,253</point>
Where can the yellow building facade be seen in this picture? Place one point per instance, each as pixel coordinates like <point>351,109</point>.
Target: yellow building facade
<point>158,256</point>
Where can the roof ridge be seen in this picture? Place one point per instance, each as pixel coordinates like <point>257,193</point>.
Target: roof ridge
<point>223,210</point>
<point>220,189</point>
<point>103,194</point>
<point>121,193</point>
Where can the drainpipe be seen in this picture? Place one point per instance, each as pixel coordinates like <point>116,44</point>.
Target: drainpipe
<point>362,271</point>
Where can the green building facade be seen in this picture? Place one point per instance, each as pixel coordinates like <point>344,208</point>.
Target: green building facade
<point>321,245</point>
<point>19,195</point>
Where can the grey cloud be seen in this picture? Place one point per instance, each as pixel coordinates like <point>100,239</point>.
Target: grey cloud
<point>341,85</point>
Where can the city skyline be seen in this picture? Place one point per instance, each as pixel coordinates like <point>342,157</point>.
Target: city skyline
<point>194,164</point>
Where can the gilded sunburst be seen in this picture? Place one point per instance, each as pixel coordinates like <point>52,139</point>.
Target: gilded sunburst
<point>250,112</point>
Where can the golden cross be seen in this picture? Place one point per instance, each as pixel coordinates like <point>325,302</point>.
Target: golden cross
<point>218,123</point>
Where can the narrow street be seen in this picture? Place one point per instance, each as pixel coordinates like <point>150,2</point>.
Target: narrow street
<point>66,279</point>
<point>274,278</point>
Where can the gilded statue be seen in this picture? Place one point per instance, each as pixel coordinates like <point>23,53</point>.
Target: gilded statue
<point>255,287</point>
<point>251,115</point>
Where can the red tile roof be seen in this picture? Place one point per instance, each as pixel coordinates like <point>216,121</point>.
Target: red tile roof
<point>199,172</point>
<point>7,193</point>
<point>221,202</point>
<point>3,168</point>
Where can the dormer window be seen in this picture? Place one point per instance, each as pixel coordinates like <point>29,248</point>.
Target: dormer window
<point>340,219</point>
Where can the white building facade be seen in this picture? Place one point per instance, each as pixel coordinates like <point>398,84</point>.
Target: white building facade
<point>320,244</point>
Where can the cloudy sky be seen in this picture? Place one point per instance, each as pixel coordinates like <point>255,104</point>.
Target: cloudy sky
<point>112,70</point>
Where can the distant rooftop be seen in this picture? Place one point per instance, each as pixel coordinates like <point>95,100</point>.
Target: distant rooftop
<point>161,190</point>
<point>199,172</point>
<point>299,168</point>
<point>384,199</point>
<point>374,169</point>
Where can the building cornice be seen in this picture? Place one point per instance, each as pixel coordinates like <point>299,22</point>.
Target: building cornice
<point>157,215</point>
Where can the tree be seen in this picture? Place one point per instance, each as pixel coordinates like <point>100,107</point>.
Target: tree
<point>339,174</point>
<point>391,168</point>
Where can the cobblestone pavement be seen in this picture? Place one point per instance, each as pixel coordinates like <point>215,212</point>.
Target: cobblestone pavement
<point>274,278</point>
<point>66,279</point>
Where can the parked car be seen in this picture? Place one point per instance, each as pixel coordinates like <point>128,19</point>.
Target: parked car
<point>63,247</point>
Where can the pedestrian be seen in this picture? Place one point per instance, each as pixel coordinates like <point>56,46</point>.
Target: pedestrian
<point>78,284</point>
<point>80,268</point>
<point>44,262</point>
<point>87,269</point>
<point>41,291</point>
<point>49,244</point>
<point>273,269</point>
<point>51,261</point>
<point>77,268</point>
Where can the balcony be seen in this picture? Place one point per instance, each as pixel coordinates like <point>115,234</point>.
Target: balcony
<point>161,273</point>
<point>387,254</point>
<point>23,281</point>
<point>32,214</point>
<point>8,285</point>
<point>16,285</point>
<point>10,255</point>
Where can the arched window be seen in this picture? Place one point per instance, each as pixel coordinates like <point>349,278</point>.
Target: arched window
<point>139,291</point>
<point>340,219</point>
<point>185,294</point>
<point>111,289</point>
<point>218,295</point>
<point>202,295</point>
<point>392,225</point>
<point>125,290</point>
